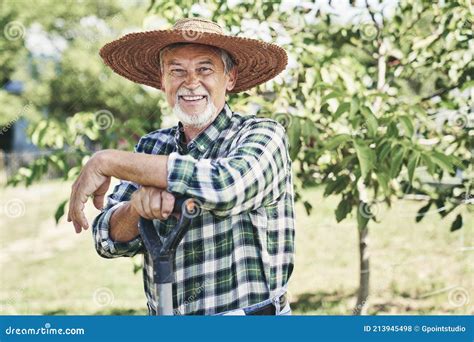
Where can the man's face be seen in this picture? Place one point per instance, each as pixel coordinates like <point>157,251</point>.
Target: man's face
<point>193,77</point>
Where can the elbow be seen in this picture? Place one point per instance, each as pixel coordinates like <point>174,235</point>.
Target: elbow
<point>231,200</point>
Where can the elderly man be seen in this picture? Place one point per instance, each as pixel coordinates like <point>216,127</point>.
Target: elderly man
<point>237,256</point>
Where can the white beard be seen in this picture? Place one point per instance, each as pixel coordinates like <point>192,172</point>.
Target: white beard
<point>195,120</point>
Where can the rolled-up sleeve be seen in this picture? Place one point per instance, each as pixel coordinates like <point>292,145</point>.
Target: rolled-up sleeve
<point>104,245</point>
<point>254,173</point>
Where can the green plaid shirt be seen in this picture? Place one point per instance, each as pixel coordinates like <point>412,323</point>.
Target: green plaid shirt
<point>240,250</point>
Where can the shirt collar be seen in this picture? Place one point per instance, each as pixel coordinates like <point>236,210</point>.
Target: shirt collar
<point>206,137</point>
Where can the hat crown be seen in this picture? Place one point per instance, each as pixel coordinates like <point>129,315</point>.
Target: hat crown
<point>198,24</point>
<point>136,55</point>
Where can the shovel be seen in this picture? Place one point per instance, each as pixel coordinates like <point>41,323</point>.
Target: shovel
<point>163,250</point>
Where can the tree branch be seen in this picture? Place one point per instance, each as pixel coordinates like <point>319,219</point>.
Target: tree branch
<point>372,15</point>
<point>440,92</point>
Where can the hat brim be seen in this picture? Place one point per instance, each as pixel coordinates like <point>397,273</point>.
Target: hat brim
<point>135,56</point>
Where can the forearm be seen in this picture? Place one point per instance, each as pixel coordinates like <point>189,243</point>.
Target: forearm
<point>252,175</point>
<point>124,224</point>
<point>140,168</point>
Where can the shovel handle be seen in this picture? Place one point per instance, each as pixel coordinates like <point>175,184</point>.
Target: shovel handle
<point>164,249</point>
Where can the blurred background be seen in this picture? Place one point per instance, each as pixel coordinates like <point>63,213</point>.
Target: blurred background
<point>377,100</point>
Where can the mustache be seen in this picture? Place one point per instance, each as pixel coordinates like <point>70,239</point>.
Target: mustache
<point>187,92</point>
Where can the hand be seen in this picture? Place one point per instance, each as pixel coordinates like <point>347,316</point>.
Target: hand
<point>91,182</point>
<point>152,203</point>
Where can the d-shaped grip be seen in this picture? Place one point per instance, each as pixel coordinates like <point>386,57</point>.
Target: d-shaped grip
<point>163,251</point>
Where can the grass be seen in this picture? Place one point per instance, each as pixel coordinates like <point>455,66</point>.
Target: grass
<point>415,268</point>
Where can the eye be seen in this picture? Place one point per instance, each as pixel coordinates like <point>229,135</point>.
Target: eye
<point>204,70</point>
<point>177,72</point>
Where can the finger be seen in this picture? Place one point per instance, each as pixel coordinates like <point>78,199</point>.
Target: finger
<point>77,227</point>
<point>78,215</point>
<point>98,201</point>
<point>85,223</point>
<point>155,204</point>
<point>68,213</point>
<point>145,200</point>
<point>167,204</point>
<point>141,212</point>
<point>137,204</point>
<point>69,219</point>
<point>72,206</point>
<point>80,210</point>
<point>99,194</point>
<point>71,198</point>
<point>70,210</point>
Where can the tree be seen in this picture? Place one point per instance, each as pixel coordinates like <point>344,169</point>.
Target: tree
<point>354,107</point>
<point>85,105</point>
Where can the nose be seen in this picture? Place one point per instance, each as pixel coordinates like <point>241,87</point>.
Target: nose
<point>192,81</point>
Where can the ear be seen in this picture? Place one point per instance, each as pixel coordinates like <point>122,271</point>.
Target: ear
<point>232,79</point>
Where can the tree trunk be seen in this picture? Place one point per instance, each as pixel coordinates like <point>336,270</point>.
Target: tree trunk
<point>363,293</point>
<point>363,229</point>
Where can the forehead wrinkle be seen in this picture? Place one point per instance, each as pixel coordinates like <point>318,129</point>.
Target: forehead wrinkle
<point>173,62</point>
<point>176,62</point>
<point>208,56</point>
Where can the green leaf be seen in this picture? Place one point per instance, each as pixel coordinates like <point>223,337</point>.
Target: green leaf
<point>383,152</point>
<point>346,162</point>
<point>343,107</point>
<point>440,205</point>
<point>392,130</point>
<point>412,164</point>
<point>309,130</point>
<point>457,224</point>
<point>308,207</point>
<point>336,140</point>
<point>422,212</point>
<point>337,185</point>
<point>343,209</point>
<point>420,43</point>
<point>467,85</point>
<point>43,129</point>
<point>331,95</point>
<point>294,137</point>
<point>396,164</point>
<point>428,163</point>
<point>383,181</point>
<point>60,211</point>
<point>73,172</point>
<point>442,161</point>
<point>354,106</point>
<point>407,125</point>
<point>371,121</point>
<point>365,155</point>
<point>137,266</point>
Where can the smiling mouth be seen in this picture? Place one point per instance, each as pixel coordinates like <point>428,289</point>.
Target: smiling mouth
<point>192,98</point>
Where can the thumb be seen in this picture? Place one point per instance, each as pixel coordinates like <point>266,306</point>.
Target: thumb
<point>99,194</point>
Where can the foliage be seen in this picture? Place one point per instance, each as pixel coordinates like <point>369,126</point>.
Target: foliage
<point>360,99</point>
<point>357,98</point>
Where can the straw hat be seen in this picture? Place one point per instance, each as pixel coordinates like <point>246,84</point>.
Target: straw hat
<point>136,55</point>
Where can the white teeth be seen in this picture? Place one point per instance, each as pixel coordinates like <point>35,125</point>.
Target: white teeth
<point>192,98</point>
